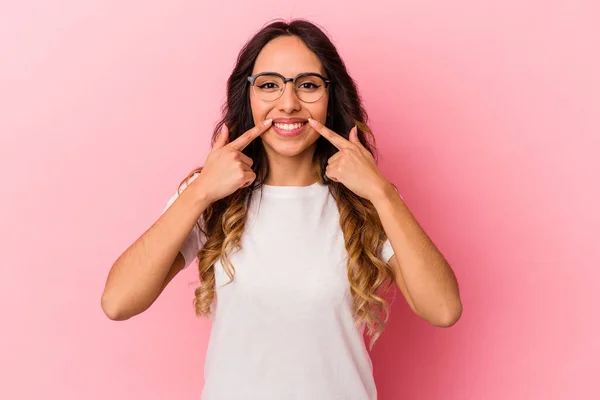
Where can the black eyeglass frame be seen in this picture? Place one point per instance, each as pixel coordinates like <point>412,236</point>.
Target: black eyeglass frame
<point>252,80</point>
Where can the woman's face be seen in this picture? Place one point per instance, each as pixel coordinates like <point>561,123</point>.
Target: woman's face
<point>289,56</point>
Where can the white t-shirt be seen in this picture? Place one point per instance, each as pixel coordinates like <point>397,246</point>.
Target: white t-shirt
<point>284,328</point>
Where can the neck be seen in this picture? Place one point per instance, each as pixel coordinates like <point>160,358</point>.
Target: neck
<point>296,170</point>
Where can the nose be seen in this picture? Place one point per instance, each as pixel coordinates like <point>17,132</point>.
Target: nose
<point>289,102</point>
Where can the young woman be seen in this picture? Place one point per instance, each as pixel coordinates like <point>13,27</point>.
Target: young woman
<point>296,231</point>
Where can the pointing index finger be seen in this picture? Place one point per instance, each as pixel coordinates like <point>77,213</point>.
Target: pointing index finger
<point>335,139</point>
<point>244,140</point>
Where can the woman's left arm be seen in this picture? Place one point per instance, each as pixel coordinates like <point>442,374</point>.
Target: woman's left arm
<point>422,273</point>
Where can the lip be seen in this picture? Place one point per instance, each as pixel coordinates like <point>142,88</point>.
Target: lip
<point>292,133</point>
<point>289,120</point>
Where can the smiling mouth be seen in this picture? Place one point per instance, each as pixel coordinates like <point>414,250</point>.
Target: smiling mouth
<point>289,130</point>
<point>289,127</point>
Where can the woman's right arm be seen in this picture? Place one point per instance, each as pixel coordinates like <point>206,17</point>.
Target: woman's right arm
<point>140,274</point>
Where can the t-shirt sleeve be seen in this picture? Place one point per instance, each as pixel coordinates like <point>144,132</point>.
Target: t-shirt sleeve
<point>387,251</point>
<point>195,239</point>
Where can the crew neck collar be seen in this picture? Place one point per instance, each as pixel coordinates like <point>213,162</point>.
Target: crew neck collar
<point>292,191</point>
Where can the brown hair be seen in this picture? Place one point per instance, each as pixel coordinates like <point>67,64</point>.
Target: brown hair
<point>224,220</point>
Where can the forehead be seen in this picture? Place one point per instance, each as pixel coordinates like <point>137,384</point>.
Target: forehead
<point>287,55</point>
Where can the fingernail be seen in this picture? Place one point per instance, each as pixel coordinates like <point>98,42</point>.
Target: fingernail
<point>312,122</point>
<point>267,122</point>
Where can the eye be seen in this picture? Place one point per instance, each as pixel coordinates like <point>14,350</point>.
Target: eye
<point>268,85</point>
<point>308,85</point>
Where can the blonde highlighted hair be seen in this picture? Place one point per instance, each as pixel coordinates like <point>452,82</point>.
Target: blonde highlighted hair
<point>223,221</point>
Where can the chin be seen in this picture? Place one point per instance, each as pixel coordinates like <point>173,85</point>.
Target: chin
<point>289,149</point>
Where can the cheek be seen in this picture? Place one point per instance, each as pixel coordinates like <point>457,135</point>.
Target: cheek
<point>260,109</point>
<point>319,109</point>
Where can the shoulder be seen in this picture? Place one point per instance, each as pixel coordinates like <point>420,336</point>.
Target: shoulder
<point>186,182</point>
<point>182,186</point>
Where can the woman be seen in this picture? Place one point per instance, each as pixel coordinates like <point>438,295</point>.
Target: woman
<point>296,233</point>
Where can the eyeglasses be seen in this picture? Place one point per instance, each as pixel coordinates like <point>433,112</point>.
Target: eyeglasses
<point>269,86</point>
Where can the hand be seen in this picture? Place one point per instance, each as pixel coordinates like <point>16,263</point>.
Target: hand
<point>226,168</point>
<point>353,165</point>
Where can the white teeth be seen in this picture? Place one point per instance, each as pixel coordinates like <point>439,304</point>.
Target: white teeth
<point>288,127</point>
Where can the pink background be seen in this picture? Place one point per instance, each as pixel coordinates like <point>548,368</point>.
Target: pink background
<point>486,114</point>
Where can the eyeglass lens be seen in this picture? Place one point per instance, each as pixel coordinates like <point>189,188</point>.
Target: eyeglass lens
<point>308,88</point>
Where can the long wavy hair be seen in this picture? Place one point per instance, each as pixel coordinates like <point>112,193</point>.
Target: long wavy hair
<point>224,220</point>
